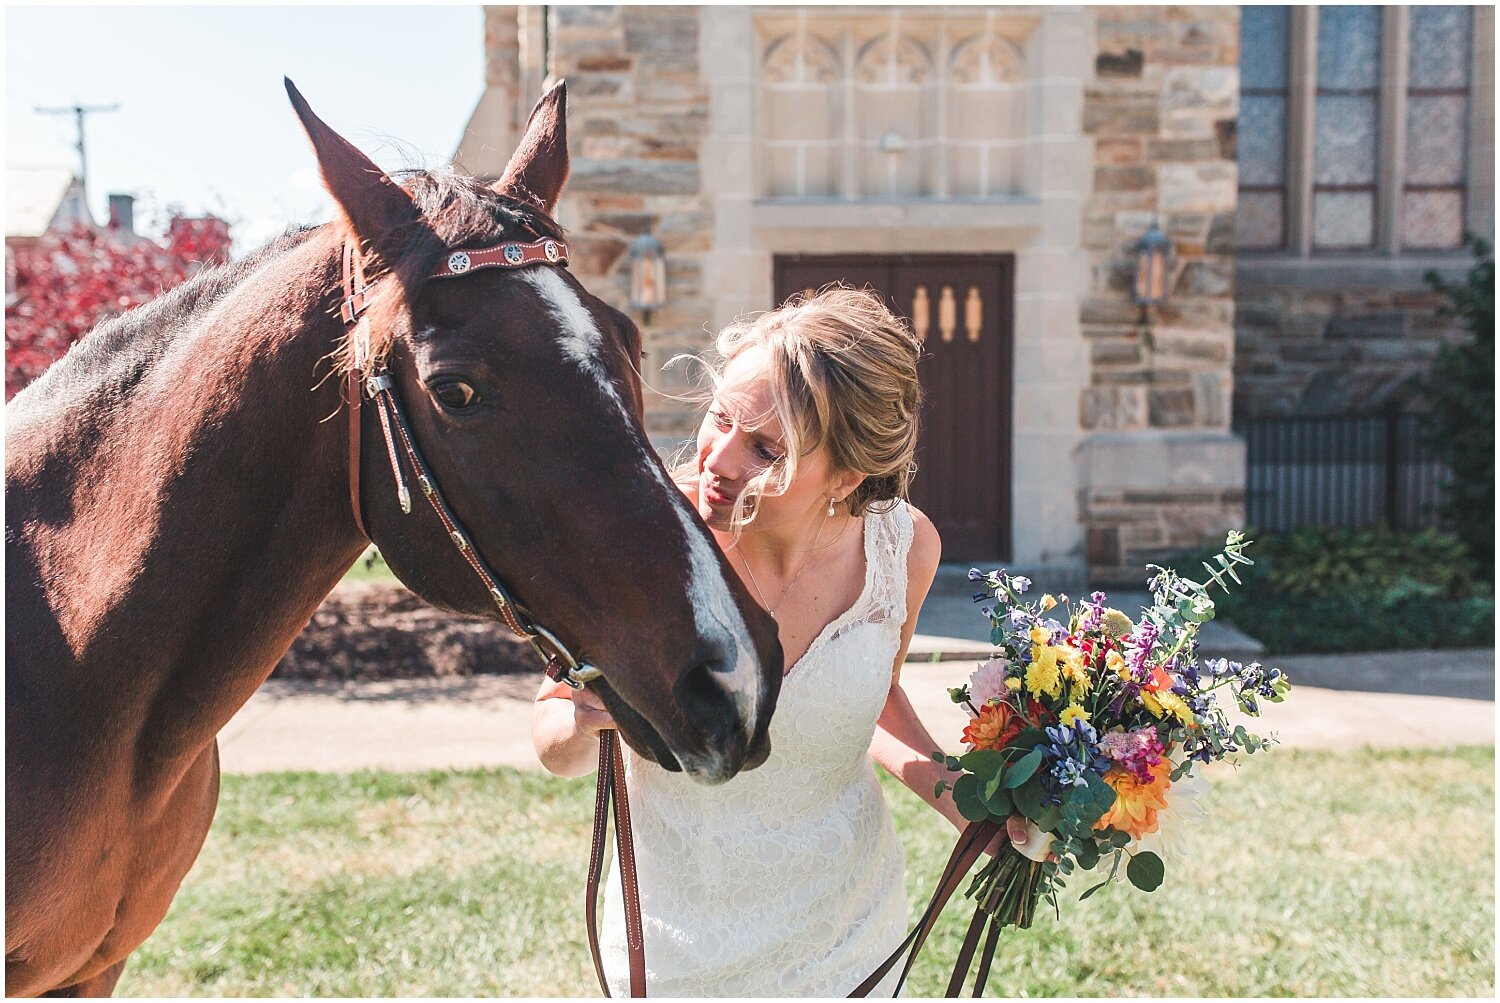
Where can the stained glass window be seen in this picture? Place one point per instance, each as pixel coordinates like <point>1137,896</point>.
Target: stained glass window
<point>1260,223</point>
<point>1346,127</point>
<point>1437,135</point>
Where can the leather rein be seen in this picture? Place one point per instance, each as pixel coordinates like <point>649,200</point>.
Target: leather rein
<point>375,381</point>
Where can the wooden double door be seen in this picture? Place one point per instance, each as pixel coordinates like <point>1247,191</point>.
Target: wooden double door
<point>962,309</point>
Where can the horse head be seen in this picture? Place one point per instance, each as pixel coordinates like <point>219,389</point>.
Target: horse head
<point>523,392</point>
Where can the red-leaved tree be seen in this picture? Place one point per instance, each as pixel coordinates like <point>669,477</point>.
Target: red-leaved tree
<point>69,281</point>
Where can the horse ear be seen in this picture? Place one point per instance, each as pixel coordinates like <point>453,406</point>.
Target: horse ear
<point>375,206</point>
<point>539,168</point>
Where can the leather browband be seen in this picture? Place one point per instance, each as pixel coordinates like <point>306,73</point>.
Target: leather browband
<point>511,254</point>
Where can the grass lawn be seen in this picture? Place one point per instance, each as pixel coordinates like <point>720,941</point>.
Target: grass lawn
<point>1357,874</point>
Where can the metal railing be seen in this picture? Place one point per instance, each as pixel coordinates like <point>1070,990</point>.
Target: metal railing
<point>1340,472</point>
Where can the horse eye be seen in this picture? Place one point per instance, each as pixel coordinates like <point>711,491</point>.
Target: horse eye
<point>455,395</point>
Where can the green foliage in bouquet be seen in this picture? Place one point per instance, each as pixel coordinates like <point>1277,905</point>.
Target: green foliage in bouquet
<point>1088,729</point>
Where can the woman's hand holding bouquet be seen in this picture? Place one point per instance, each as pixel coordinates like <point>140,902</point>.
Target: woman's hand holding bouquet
<point>1090,727</point>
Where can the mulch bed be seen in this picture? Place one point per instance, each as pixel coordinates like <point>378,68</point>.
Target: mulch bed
<point>381,631</point>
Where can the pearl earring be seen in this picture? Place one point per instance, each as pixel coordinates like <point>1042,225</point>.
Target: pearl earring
<point>830,506</point>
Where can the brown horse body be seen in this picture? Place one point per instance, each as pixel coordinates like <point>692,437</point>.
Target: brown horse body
<point>178,506</point>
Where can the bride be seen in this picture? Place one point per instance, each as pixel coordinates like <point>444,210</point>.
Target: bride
<point>787,880</point>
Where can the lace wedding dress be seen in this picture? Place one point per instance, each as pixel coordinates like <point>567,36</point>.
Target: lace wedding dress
<point>788,879</point>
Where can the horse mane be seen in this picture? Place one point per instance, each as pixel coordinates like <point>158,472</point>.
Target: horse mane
<point>121,349</point>
<point>457,211</point>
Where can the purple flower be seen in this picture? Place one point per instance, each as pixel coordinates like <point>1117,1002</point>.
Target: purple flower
<point>1136,751</point>
<point>1138,649</point>
<point>1093,612</point>
<point>1020,584</point>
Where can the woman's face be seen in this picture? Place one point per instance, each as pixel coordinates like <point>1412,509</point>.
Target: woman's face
<point>740,438</point>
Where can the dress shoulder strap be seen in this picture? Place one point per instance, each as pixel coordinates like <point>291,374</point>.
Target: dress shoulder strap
<point>890,544</point>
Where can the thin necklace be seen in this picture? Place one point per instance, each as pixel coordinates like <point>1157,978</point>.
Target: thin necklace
<point>771,609</point>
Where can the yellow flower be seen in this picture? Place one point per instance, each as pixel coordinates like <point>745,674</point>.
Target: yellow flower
<point>1072,713</point>
<point>1042,675</point>
<point>1074,666</point>
<point>1174,705</point>
<point>1152,704</point>
<point>1014,682</point>
<point>1040,635</point>
<point>1115,662</point>
<point>1048,602</point>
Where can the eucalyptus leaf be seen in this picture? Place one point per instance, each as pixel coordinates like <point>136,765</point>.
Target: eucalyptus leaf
<point>1088,854</point>
<point>966,797</point>
<point>1145,871</point>
<point>999,802</point>
<point>1095,888</point>
<point>983,762</point>
<point>1024,769</point>
<point>1028,799</point>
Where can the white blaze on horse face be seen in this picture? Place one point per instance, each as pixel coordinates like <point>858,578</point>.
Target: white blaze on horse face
<point>714,609</point>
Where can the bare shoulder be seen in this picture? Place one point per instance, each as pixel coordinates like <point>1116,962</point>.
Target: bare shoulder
<point>926,549</point>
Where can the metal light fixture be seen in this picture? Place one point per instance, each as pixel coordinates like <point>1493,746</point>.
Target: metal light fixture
<point>1153,258</point>
<point>648,275</point>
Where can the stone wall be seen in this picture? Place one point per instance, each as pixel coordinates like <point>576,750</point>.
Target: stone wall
<point>1161,109</point>
<point>1334,351</point>
<point>638,109</point>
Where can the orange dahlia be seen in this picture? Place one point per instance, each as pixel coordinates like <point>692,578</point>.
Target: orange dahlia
<point>995,726</point>
<point>1136,804</point>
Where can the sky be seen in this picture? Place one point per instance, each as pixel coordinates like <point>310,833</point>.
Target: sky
<point>204,123</point>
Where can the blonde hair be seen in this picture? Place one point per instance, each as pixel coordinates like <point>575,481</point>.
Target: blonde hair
<point>843,376</point>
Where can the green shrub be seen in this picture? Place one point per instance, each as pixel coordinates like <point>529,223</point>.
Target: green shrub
<point>1320,590</point>
<point>1460,390</point>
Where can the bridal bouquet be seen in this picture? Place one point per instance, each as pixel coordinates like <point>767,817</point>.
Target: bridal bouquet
<point>1089,725</point>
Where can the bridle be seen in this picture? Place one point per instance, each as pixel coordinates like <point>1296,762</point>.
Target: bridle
<point>380,386</point>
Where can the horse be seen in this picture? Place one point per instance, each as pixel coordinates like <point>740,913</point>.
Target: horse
<point>178,503</point>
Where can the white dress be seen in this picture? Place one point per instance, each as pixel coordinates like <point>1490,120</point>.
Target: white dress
<point>788,879</point>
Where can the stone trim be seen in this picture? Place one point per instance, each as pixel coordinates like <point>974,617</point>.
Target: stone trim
<point>1259,272</point>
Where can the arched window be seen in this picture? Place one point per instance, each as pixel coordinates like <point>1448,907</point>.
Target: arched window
<point>801,116</point>
<point>986,117</point>
<point>895,88</point>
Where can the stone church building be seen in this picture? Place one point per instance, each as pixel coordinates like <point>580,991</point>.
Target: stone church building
<point>991,170</point>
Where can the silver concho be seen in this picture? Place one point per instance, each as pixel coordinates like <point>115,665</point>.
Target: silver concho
<point>550,250</point>
<point>458,262</point>
<point>514,254</point>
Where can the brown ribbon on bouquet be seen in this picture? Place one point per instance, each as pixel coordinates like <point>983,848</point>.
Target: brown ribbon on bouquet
<point>611,791</point>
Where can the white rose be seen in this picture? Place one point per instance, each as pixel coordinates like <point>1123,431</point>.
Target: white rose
<point>1183,807</point>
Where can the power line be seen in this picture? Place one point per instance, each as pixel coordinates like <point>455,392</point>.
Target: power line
<point>78,111</point>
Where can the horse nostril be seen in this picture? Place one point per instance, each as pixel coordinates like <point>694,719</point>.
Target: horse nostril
<point>712,711</point>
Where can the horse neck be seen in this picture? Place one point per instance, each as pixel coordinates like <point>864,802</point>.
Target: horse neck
<point>211,516</point>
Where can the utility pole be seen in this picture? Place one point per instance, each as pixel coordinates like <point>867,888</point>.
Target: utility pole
<point>78,111</point>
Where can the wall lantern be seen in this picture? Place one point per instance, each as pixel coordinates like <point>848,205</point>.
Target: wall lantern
<point>1153,258</point>
<point>648,275</point>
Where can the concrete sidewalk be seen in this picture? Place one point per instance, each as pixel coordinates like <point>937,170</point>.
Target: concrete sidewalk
<point>1406,698</point>
<point>421,724</point>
